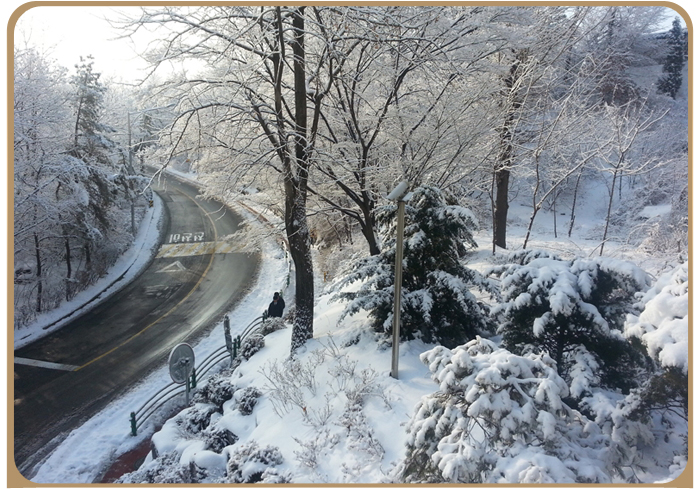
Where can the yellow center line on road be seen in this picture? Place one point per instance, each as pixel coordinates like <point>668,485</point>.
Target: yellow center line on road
<point>211,261</point>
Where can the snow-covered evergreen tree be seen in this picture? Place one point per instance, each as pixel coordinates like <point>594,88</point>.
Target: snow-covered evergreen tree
<point>573,310</point>
<point>89,139</point>
<point>663,329</point>
<point>499,418</point>
<point>437,304</point>
<point>672,79</point>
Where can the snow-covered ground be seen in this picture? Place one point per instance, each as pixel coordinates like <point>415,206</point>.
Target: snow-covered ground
<point>323,433</point>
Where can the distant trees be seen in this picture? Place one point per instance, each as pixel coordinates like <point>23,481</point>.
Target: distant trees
<point>672,79</point>
<point>69,223</point>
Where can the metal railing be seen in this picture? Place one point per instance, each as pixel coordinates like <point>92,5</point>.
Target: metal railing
<point>170,391</point>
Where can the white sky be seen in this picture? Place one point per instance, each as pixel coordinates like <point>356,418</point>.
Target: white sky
<point>69,32</point>
<point>74,31</point>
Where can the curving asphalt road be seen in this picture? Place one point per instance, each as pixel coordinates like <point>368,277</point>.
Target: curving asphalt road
<point>65,378</point>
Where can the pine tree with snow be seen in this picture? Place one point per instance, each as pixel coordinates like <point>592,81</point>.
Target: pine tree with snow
<point>672,79</point>
<point>573,310</point>
<point>661,404</point>
<point>437,303</point>
<point>499,418</point>
<point>90,142</point>
<point>663,329</point>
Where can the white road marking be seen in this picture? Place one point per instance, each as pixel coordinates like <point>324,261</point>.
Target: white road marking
<point>197,248</point>
<point>174,267</point>
<point>45,364</point>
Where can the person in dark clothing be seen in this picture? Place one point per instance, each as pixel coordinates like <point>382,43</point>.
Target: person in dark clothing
<point>277,306</point>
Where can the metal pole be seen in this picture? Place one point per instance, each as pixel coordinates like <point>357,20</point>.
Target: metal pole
<point>132,419</point>
<point>398,272</point>
<point>227,337</point>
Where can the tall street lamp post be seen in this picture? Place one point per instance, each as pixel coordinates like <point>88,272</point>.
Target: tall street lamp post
<point>401,195</point>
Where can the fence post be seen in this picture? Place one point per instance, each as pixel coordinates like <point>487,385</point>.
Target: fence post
<point>227,336</point>
<point>133,424</point>
<point>236,346</point>
<point>194,377</point>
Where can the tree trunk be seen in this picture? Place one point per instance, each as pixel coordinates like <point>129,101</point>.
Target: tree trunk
<point>368,226</point>
<point>39,278</point>
<point>573,204</point>
<point>607,217</point>
<point>295,183</point>
<point>69,270</point>
<point>505,156</point>
<point>500,214</point>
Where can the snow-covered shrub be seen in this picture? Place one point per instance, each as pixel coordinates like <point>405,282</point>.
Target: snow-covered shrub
<point>499,418</point>
<point>663,324</point>
<point>272,324</point>
<point>249,463</point>
<point>437,302</point>
<point>246,399</point>
<point>660,405</point>
<point>216,389</point>
<point>195,419</point>
<point>217,438</point>
<point>251,345</point>
<point>573,310</point>
<point>288,385</point>
<point>165,469</point>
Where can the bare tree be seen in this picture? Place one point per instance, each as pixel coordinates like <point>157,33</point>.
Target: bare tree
<point>254,114</point>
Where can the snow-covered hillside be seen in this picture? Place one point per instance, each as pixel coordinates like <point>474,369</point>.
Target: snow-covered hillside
<point>332,414</point>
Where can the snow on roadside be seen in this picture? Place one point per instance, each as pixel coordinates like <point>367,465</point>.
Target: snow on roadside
<point>86,451</point>
<point>333,411</point>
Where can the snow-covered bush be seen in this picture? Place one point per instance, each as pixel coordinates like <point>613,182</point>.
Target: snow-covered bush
<point>660,405</point>
<point>437,303</point>
<point>663,324</point>
<point>272,324</point>
<point>499,418</point>
<point>165,469</point>
<point>249,463</point>
<point>216,389</point>
<point>573,310</point>
<point>251,345</point>
<point>195,418</point>
<point>216,438</point>
<point>247,398</point>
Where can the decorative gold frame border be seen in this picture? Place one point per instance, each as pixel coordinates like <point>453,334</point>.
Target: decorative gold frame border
<point>16,480</point>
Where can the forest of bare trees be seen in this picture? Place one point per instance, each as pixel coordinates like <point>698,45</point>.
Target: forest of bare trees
<point>321,110</point>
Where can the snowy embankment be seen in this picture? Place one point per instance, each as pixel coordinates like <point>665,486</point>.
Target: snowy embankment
<point>346,416</point>
<point>87,451</point>
<point>331,415</point>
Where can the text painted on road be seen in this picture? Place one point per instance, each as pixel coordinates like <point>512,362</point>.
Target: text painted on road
<point>186,237</point>
<point>199,248</point>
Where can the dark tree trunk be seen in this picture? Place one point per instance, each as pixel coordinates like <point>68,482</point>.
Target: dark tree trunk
<point>609,213</point>
<point>368,225</point>
<point>500,214</point>
<point>573,204</point>
<point>39,278</point>
<point>505,155</point>
<point>69,270</point>
<point>296,195</point>
<point>88,258</point>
